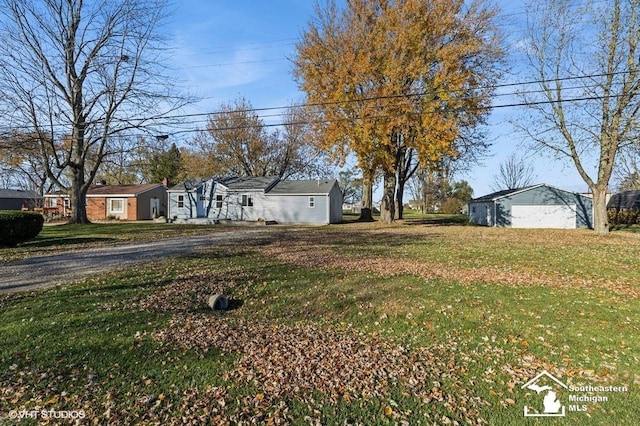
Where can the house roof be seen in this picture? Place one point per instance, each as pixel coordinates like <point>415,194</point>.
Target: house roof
<point>18,194</point>
<point>187,185</point>
<point>505,192</point>
<point>508,192</point>
<point>302,187</point>
<point>232,182</point>
<point>264,183</point>
<point>626,200</point>
<point>120,190</point>
<point>269,184</point>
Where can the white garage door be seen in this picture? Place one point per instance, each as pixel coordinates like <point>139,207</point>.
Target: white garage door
<point>560,216</point>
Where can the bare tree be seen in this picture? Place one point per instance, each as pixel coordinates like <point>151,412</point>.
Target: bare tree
<point>299,157</point>
<point>514,172</point>
<point>627,170</point>
<point>76,73</point>
<point>21,165</point>
<point>585,57</point>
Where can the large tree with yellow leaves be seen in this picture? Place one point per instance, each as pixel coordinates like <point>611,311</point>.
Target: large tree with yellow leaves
<point>389,75</point>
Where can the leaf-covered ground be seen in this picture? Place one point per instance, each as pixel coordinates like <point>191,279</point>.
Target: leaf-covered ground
<point>354,324</point>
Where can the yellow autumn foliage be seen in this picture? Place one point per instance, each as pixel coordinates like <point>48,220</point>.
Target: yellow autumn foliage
<point>385,73</point>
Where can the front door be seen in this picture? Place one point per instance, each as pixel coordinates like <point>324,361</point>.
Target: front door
<point>200,204</point>
<point>154,207</point>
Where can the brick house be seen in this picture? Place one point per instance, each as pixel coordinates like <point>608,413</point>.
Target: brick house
<point>122,202</point>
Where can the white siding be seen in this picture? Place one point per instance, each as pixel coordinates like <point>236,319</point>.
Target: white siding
<point>540,216</point>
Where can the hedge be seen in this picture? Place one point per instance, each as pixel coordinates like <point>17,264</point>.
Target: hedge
<point>624,217</point>
<point>17,227</point>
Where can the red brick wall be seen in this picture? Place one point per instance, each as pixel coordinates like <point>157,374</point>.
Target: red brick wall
<point>96,208</point>
<point>132,208</point>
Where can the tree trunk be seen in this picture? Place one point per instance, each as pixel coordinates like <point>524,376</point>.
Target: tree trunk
<point>399,200</point>
<point>367,201</point>
<point>600,217</point>
<point>78,198</point>
<point>387,208</point>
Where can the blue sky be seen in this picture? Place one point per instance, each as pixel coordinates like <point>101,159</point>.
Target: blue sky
<point>226,49</point>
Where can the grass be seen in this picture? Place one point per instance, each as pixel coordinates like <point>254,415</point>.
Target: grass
<point>55,238</point>
<point>475,312</point>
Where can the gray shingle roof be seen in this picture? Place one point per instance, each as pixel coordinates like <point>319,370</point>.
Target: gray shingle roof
<point>186,185</point>
<point>263,183</point>
<point>500,194</point>
<point>268,184</point>
<point>18,193</point>
<point>626,200</point>
<point>303,187</point>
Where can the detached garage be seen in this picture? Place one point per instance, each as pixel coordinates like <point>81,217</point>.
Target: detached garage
<point>537,206</point>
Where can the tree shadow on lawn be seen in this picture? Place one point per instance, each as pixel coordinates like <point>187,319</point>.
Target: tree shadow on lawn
<point>445,220</point>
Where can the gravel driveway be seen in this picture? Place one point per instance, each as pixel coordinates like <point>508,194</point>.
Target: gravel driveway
<point>47,271</point>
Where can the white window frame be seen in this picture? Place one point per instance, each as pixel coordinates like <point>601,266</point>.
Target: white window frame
<point>120,200</point>
<point>219,201</point>
<point>180,201</point>
<point>312,202</point>
<point>247,200</point>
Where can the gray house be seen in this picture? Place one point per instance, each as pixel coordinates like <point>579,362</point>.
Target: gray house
<point>256,199</point>
<point>626,200</point>
<point>537,206</point>
<point>16,199</point>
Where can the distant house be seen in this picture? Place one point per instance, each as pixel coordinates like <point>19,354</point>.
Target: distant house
<point>123,202</point>
<point>626,200</point>
<point>266,199</point>
<point>16,199</point>
<point>537,206</point>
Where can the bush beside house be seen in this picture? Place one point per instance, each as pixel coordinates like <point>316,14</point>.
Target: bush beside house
<point>17,227</point>
<point>624,208</point>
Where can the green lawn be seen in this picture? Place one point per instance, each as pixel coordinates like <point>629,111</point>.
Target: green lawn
<point>424,322</point>
<point>55,238</point>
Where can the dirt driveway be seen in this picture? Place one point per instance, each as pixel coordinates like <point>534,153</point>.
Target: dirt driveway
<point>47,271</point>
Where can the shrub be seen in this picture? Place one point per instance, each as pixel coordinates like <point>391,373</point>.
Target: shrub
<point>451,206</point>
<point>624,217</point>
<point>18,226</point>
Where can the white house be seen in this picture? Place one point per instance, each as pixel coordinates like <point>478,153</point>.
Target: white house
<point>256,198</point>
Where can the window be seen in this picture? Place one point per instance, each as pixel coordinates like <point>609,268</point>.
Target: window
<point>180,201</point>
<point>312,202</point>
<point>219,201</point>
<point>52,202</point>
<point>247,201</point>
<point>116,205</point>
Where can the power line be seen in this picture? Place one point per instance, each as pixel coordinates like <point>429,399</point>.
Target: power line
<point>202,118</point>
<point>390,97</point>
<point>374,117</point>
